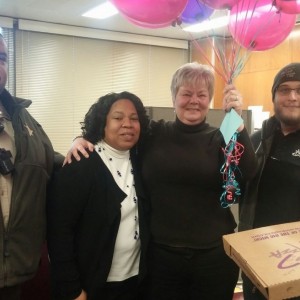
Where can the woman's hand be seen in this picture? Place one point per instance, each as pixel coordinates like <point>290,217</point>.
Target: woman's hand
<point>233,100</point>
<point>78,145</point>
<point>82,296</point>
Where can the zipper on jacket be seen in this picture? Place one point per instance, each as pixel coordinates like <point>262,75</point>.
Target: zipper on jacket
<point>274,158</point>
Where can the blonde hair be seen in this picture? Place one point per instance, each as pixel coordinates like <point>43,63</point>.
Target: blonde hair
<point>192,74</point>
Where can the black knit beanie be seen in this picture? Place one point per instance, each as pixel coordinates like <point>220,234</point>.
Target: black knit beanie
<point>291,72</point>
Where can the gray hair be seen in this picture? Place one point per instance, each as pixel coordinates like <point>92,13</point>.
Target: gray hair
<point>193,74</point>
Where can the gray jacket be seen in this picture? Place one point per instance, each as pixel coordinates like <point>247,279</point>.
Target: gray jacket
<point>21,241</point>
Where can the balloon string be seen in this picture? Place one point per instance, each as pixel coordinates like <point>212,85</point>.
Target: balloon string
<point>261,28</point>
<point>229,62</point>
<point>199,48</point>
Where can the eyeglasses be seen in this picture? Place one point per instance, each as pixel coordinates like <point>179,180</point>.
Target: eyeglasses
<point>285,91</point>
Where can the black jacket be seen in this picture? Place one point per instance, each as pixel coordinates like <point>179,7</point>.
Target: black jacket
<point>262,141</point>
<point>21,241</point>
<point>84,216</point>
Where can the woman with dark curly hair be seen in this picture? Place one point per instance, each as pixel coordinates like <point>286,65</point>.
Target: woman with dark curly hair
<point>97,230</point>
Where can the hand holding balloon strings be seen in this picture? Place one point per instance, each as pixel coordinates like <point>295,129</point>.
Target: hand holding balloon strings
<point>233,150</point>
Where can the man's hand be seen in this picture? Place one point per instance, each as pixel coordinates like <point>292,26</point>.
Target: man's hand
<point>78,145</point>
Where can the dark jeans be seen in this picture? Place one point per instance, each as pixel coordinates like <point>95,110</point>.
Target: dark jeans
<point>190,274</point>
<point>10,293</point>
<point>251,292</point>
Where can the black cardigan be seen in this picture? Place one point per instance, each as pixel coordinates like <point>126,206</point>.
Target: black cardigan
<point>83,220</point>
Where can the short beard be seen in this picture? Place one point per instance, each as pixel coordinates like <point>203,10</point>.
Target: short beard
<point>289,121</point>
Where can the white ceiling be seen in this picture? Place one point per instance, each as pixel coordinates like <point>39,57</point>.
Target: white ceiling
<point>68,12</point>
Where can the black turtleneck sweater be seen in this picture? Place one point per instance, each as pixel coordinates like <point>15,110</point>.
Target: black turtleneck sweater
<point>181,172</point>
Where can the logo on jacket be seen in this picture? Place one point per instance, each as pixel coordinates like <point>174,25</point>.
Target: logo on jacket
<point>296,153</point>
<point>30,132</point>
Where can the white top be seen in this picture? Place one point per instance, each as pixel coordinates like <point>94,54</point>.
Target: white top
<point>126,257</point>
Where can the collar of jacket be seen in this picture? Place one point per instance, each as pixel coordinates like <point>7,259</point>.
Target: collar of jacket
<point>12,103</point>
<point>269,126</point>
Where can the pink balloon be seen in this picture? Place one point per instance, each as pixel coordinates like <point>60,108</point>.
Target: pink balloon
<point>148,25</point>
<point>288,6</point>
<point>196,12</point>
<point>220,4</point>
<point>257,24</point>
<point>151,13</point>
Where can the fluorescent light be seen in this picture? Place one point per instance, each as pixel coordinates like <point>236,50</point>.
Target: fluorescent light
<point>102,11</point>
<point>208,25</point>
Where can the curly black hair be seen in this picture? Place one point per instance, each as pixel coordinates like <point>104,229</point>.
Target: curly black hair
<point>95,119</point>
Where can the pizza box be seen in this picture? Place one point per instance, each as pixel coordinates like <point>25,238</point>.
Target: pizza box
<point>270,257</point>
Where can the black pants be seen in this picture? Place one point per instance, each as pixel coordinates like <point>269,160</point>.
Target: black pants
<point>250,291</point>
<point>128,289</point>
<point>191,274</point>
<point>10,293</point>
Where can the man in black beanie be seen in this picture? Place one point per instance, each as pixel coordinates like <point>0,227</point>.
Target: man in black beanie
<point>273,196</point>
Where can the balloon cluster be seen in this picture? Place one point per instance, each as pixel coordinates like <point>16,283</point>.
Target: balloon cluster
<point>254,24</point>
